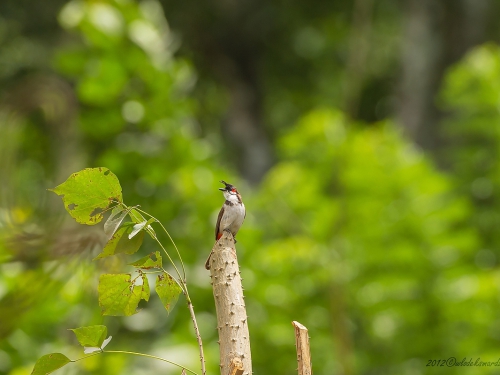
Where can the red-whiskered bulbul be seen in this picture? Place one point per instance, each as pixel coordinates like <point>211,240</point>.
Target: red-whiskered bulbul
<point>231,214</point>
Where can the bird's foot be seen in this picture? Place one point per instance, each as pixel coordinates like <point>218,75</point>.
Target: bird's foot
<point>229,231</point>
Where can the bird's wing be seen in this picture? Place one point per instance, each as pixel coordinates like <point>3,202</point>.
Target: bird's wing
<point>217,226</point>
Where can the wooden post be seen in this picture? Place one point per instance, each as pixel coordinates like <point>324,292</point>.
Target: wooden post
<point>232,324</point>
<point>303,351</point>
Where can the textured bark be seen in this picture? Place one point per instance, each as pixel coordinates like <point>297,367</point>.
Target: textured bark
<point>232,324</point>
<point>303,350</point>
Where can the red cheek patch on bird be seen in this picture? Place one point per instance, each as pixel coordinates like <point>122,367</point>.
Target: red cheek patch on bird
<point>219,235</point>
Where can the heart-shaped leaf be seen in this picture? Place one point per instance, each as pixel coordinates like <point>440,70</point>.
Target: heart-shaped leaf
<point>91,335</point>
<point>88,193</point>
<point>168,290</point>
<point>119,295</point>
<point>50,363</point>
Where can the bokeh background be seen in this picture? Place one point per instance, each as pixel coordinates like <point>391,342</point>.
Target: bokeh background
<point>363,135</point>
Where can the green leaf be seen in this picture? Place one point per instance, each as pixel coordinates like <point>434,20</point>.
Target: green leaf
<point>148,262</point>
<point>168,290</point>
<point>50,363</point>
<point>120,242</point>
<point>118,294</point>
<point>86,194</point>
<point>91,335</point>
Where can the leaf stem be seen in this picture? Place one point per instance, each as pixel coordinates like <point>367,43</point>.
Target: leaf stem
<point>183,285</point>
<point>184,288</point>
<point>150,356</point>
<point>170,237</point>
<point>197,332</point>
<point>87,356</point>
<point>171,261</point>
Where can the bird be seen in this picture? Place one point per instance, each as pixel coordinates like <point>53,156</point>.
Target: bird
<point>231,215</point>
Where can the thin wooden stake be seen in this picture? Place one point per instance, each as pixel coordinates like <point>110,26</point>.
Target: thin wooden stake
<point>303,351</point>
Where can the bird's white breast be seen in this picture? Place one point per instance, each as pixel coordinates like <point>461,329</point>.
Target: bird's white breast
<point>233,217</point>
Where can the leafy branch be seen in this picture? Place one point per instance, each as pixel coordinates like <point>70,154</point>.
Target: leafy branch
<point>93,340</point>
<point>87,195</point>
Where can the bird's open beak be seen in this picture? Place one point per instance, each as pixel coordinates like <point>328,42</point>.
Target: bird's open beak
<point>224,188</point>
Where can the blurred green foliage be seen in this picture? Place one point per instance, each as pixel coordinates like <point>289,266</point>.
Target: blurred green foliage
<point>136,118</point>
<point>354,232</point>
<point>376,251</point>
<point>471,96</point>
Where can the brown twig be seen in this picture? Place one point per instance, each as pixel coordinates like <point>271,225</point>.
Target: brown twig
<point>198,336</point>
<point>303,351</point>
